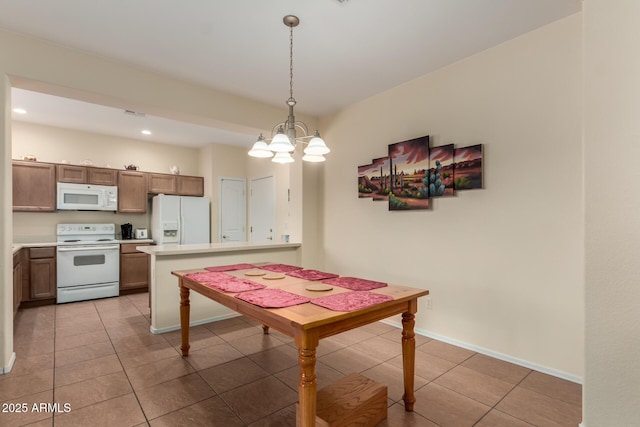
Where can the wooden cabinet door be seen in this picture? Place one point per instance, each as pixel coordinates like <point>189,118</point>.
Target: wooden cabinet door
<point>72,173</point>
<point>17,282</point>
<point>102,176</point>
<point>162,183</point>
<point>132,192</point>
<point>190,185</point>
<point>42,272</point>
<point>134,268</point>
<point>34,187</point>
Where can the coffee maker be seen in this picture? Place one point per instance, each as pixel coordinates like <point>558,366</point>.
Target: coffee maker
<point>127,231</point>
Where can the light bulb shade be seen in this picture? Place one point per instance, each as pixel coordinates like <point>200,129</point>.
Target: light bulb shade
<point>260,149</point>
<point>282,157</point>
<point>316,146</point>
<point>313,158</point>
<point>280,143</point>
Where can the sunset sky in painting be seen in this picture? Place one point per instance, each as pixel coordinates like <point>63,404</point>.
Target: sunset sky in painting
<point>410,155</point>
<point>465,154</point>
<point>443,153</point>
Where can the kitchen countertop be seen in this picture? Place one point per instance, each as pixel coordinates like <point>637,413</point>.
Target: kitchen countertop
<point>168,250</point>
<point>17,246</point>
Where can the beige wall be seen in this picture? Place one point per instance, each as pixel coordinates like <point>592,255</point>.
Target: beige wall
<point>612,182</point>
<point>6,206</point>
<point>504,264</point>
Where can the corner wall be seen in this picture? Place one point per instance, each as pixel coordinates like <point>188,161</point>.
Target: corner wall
<point>611,390</point>
<point>504,264</point>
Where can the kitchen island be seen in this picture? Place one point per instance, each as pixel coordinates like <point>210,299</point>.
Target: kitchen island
<point>164,293</point>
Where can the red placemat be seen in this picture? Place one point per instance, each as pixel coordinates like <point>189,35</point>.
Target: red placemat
<point>272,298</point>
<point>311,274</point>
<point>354,283</point>
<point>280,268</point>
<point>351,301</point>
<point>231,267</point>
<point>224,282</point>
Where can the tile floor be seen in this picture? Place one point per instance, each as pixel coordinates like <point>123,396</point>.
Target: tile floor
<point>100,359</point>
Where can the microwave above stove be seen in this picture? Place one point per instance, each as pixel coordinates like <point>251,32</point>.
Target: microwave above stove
<point>86,197</point>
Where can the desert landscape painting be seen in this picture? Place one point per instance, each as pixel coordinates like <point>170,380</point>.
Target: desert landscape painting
<point>468,167</point>
<point>408,167</point>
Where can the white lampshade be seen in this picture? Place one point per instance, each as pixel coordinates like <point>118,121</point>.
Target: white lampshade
<point>280,143</point>
<point>282,157</point>
<point>316,146</point>
<point>260,149</point>
<point>313,158</point>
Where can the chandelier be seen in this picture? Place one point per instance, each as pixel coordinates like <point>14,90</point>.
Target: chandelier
<point>283,135</point>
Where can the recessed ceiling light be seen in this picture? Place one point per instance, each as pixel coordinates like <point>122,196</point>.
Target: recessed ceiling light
<point>146,132</point>
<point>19,111</point>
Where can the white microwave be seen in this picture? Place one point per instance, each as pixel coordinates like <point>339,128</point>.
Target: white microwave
<point>86,197</point>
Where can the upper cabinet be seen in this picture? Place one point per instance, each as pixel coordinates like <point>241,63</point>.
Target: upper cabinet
<point>162,183</point>
<point>132,192</point>
<point>190,185</point>
<point>87,175</point>
<point>34,186</point>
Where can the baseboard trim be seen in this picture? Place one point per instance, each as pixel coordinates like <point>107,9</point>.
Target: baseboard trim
<point>496,355</point>
<point>191,324</point>
<point>9,367</point>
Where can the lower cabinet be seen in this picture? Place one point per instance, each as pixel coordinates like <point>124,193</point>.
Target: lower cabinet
<point>134,268</point>
<point>39,277</point>
<point>17,281</point>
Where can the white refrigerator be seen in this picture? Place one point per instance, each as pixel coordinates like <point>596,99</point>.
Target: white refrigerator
<point>180,220</point>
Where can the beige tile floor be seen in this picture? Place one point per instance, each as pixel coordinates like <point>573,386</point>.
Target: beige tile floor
<point>100,359</point>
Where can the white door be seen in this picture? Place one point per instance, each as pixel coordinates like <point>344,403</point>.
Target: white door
<point>233,210</point>
<point>262,208</point>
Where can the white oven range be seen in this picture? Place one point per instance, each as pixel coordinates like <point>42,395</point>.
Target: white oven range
<point>88,262</point>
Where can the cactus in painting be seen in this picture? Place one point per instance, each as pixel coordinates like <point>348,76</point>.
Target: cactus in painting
<point>436,187</point>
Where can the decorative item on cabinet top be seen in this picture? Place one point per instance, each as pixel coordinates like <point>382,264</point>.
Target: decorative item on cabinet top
<point>413,173</point>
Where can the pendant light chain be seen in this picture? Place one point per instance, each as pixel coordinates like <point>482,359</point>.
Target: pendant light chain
<point>291,63</point>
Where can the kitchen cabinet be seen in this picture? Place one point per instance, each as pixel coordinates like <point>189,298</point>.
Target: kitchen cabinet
<point>190,185</point>
<point>17,281</point>
<point>41,275</point>
<point>34,186</point>
<point>87,175</point>
<point>181,185</point>
<point>134,268</point>
<point>132,192</point>
<point>162,183</point>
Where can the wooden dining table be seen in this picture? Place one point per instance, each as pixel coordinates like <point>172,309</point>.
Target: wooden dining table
<point>307,324</point>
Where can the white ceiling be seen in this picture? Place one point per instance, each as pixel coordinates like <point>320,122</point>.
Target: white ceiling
<point>344,51</point>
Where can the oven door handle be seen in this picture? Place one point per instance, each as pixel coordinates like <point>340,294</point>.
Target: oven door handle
<point>88,248</point>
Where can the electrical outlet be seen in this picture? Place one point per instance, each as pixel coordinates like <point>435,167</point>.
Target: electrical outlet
<point>427,303</point>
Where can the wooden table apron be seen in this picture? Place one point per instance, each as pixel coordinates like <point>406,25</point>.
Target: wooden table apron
<point>308,332</point>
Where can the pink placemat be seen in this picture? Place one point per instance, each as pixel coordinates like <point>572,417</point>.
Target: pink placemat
<point>224,282</point>
<point>272,298</point>
<point>354,283</point>
<point>351,301</point>
<point>280,268</point>
<point>231,267</point>
<point>311,274</point>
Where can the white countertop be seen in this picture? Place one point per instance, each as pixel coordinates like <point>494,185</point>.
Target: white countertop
<point>18,246</point>
<point>168,250</point>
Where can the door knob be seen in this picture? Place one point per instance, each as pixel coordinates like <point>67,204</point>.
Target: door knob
<point>224,237</point>
<point>269,238</point>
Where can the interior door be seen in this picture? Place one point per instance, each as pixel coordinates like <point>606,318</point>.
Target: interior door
<point>262,209</point>
<point>233,210</point>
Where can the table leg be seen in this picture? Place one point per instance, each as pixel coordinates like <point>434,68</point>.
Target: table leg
<point>185,308</point>
<point>307,385</point>
<point>408,359</point>
<point>265,329</point>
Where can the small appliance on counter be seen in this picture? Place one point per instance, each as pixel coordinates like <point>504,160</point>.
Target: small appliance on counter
<point>141,233</point>
<point>127,231</point>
